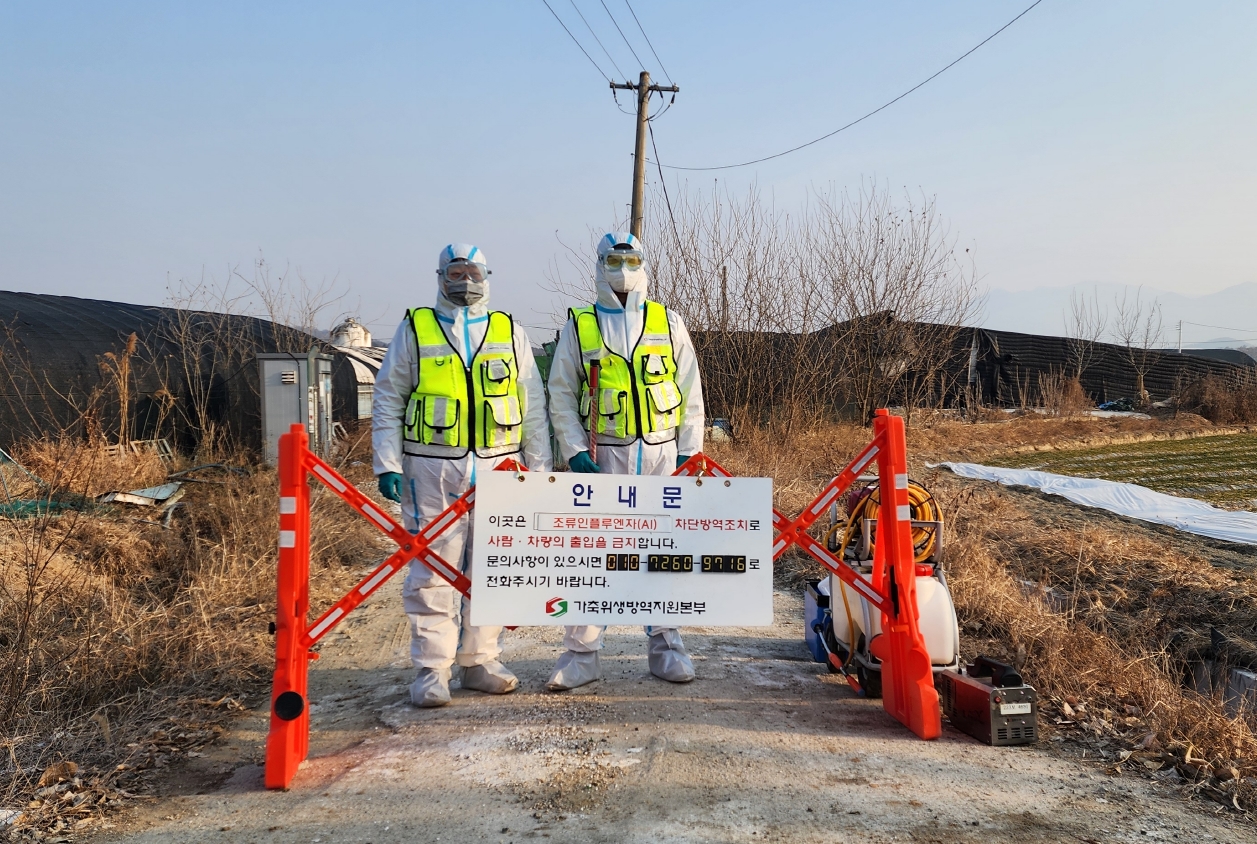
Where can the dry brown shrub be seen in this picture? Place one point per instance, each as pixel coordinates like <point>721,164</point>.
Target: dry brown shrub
<point>1222,401</point>
<point>87,469</point>
<point>1105,615</point>
<point>105,619</point>
<point>1062,395</point>
<point>1126,614</point>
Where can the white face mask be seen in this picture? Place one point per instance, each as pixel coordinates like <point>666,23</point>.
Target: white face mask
<point>618,280</point>
<point>623,280</point>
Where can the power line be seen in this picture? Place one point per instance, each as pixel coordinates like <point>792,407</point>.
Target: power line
<point>1201,325</point>
<point>666,75</point>
<point>663,183</point>
<point>871,113</point>
<point>596,38</point>
<point>577,43</point>
<point>640,63</point>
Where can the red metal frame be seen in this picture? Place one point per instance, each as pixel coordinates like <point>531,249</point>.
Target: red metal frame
<point>908,691</point>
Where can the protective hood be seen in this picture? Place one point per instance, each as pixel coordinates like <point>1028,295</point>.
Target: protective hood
<point>606,282</point>
<point>446,297</point>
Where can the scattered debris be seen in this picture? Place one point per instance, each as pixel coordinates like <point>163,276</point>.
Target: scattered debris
<point>165,494</point>
<point>57,773</point>
<point>160,447</point>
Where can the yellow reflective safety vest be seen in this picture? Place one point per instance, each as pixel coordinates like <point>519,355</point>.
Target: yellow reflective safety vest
<point>456,408</point>
<point>638,397</point>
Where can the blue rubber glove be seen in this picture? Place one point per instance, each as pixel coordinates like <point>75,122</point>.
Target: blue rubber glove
<point>681,458</point>
<point>391,486</point>
<point>584,464</point>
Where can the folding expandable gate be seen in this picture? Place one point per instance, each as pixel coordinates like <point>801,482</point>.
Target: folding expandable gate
<point>908,691</point>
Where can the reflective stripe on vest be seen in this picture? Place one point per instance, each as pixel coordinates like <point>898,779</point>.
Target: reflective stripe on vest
<point>637,399</point>
<point>455,408</point>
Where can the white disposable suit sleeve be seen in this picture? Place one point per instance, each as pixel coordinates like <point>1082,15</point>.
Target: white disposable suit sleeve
<point>393,385</point>
<point>537,456</point>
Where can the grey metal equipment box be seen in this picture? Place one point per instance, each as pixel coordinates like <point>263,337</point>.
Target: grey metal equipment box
<point>296,389</point>
<point>991,703</point>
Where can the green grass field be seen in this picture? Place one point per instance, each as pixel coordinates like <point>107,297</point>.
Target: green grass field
<point>1221,470</point>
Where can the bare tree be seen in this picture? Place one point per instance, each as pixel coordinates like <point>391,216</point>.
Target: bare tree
<point>215,346</point>
<point>1138,328</point>
<point>849,304</point>
<point>896,293</point>
<point>1085,323</point>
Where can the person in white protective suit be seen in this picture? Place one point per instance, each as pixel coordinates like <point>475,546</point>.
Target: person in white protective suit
<point>458,392</point>
<point>647,417</point>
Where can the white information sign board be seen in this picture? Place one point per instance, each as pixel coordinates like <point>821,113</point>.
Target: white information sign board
<point>563,548</point>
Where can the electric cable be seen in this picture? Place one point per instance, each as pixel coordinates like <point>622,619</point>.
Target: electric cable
<point>871,113</point>
<point>664,184</point>
<point>666,75</point>
<point>577,43</point>
<point>1218,327</point>
<point>640,63</point>
<point>596,38</point>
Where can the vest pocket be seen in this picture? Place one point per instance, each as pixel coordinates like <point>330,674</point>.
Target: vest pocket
<point>664,405</point>
<point>495,377</point>
<point>503,421</point>
<point>410,430</point>
<point>654,369</point>
<point>440,421</point>
<point>612,412</point>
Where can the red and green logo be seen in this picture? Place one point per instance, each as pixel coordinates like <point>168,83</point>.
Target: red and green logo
<point>556,607</point>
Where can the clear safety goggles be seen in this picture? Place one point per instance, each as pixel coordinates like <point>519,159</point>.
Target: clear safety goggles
<point>465,271</point>
<point>622,260</point>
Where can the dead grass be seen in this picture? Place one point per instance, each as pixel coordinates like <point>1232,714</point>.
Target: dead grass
<point>1110,619</point>
<point>1223,401</point>
<point>1107,618</point>
<point>72,466</point>
<point>123,645</point>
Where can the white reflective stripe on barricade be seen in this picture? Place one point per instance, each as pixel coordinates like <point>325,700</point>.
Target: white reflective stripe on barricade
<point>318,630</point>
<point>377,517</point>
<point>328,478</point>
<point>864,461</point>
<point>380,576</point>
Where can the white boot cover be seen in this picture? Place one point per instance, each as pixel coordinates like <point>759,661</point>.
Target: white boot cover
<point>431,688</point>
<point>575,669</point>
<point>668,658</point>
<point>492,678</point>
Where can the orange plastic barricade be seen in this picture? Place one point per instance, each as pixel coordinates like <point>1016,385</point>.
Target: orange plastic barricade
<point>908,691</point>
<point>289,739</point>
<point>907,681</point>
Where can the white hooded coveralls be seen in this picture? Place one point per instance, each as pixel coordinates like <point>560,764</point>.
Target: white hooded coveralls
<point>621,327</point>
<point>430,484</point>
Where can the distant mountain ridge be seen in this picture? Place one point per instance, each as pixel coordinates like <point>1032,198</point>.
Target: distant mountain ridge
<point>1043,311</point>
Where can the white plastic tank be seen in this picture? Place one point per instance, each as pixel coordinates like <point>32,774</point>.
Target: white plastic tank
<point>936,616</point>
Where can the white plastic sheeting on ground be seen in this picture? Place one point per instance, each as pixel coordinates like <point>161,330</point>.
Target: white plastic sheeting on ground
<point>1137,502</point>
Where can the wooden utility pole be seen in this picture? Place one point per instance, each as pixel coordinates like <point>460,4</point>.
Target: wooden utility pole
<point>644,89</point>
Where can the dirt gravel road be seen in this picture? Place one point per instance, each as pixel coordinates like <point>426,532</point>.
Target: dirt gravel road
<point>763,746</point>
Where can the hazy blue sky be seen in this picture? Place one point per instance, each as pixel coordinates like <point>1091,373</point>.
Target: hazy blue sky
<point>1090,142</point>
